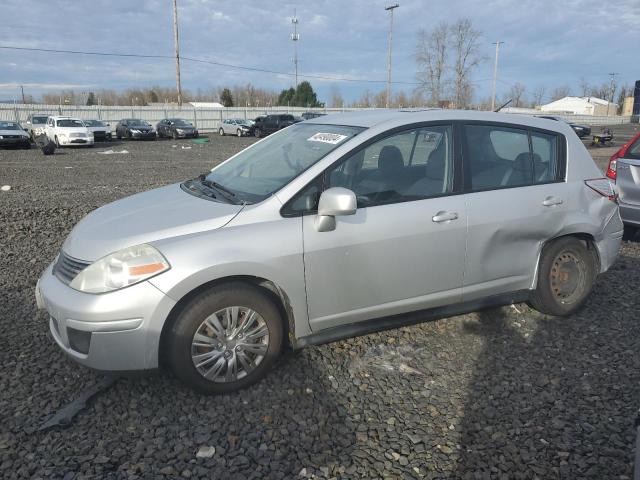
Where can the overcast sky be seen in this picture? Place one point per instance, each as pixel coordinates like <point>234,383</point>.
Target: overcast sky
<point>548,42</point>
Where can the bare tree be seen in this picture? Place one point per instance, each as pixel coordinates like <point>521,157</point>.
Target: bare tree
<point>336,97</point>
<point>585,88</point>
<point>516,94</point>
<point>538,95</point>
<point>560,92</point>
<point>431,57</point>
<point>466,52</point>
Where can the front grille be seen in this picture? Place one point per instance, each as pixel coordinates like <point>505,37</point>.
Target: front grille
<point>77,135</point>
<point>12,136</point>
<point>66,268</point>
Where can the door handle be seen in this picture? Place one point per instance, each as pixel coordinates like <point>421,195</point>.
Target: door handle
<point>551,201</point>
<point>443,216</point>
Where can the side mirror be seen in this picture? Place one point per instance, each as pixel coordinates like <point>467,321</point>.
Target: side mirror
<point>333,202</point>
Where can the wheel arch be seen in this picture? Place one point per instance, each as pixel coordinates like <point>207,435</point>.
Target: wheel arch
<point>270,288</point>
<point>587,238</point>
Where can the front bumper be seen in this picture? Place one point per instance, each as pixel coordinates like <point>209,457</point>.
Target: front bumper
<point>192,134</point>
<point>101,136</point>
<point>112,331</point>
<point>630,214</point>
<point>71,141</point>
<point>14,142</point>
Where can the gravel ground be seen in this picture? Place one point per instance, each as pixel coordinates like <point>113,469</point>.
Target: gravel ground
<point>506,393</point>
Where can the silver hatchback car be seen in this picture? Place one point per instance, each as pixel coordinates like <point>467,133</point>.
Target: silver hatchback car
<point>328,229</point>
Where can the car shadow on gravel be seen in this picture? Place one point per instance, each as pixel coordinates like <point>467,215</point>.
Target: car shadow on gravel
<point>556,397</point>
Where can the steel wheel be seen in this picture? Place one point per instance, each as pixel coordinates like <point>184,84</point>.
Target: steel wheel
<point>567,277</point>
<point>229,344</point>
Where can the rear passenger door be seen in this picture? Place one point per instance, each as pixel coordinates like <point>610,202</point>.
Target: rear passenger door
<point>514,177</point>
<point>628,182</point>
<point>404,248</point>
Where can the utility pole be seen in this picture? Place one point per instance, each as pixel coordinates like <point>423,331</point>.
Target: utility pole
<point>22,90</point>
<point>390,9</point>
<point>177,45</point>
<point>495,76</point>
<point>295,36</point>
<point>611,89</point>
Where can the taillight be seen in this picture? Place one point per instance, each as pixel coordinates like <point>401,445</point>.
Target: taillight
<point>612,169</point>
<point>604,187</point>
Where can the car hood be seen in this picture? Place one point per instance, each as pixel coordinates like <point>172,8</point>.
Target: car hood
<point>187,127</point>
<point>142,128</point>
<point>98,129</point>
<point>145,217</point>
<point>13,132</point>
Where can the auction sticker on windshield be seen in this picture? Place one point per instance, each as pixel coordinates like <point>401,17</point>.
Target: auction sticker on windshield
<point>332,138</point>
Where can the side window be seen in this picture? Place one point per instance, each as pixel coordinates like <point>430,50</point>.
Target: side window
<point>305,201</point>
<point>410,165</point>
<point>634,150</point>
<point>545,157</point>
<point>498,157</point>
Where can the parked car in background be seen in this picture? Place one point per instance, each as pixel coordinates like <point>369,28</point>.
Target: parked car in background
<point>310,115</point>
<point>581,130</point>
<point>624,170</point>
<point>68,131</point>
<point>236,126</point>
<point>329,229</point>
<point>176,128</point>
<point>101,130</point>
<point>35,124</point>
<point>134,128</point>
<point>267,124</point>
<point>12,135</point>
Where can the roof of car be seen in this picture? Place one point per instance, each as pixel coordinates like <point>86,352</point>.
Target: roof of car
<point>63,117</point>
<point>371,118</point>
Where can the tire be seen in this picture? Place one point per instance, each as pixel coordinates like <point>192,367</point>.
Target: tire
<point>566,275</point>
<point>118,136</point>
<point>221,132</point>
<point>630,232</point>
<point>239,133</point>
<point>55,140</point>
<point>196,317</point>
<point>174,134</point>
<point>257,133</point>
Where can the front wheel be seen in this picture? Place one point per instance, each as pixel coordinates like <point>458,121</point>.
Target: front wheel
<point>225,339</point>
<point>239,132</point>
<point>221,132</point>
<point>257,133</point>
<point>55,139</point>
<point>566,275</point>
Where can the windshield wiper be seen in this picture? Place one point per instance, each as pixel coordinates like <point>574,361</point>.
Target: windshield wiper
<point>228,194</point>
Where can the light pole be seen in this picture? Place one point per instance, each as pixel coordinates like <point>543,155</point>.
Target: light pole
<point>295,36</point>
<point>390,9</point>
<point>611,89</point>
<point>177,47</point>
<point>495,76</point>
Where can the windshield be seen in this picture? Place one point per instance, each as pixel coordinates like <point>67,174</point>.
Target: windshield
<point>180,123</point>
<point>9,126</point>
<point>263,169</point>
<point>241,121</point>
<point>93,123</point>
<point>70,123</point>
<point>134,122</point>
<point>38,120</point>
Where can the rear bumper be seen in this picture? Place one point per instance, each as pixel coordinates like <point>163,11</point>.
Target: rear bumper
<point>630,214</point>
<point>609,244</point>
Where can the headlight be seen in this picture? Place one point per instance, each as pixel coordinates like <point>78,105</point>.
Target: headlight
<point>1,137</point>
<point>133,130</point>
<point>121,269</point>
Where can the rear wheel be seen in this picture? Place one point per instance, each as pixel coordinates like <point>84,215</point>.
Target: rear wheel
<point>257,133</point>
<point>225,339</point>
<point>566,275</point>
<point>221,132</point>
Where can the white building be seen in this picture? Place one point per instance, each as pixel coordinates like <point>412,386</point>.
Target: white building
<point>581,106</point>
<point>206,105</point>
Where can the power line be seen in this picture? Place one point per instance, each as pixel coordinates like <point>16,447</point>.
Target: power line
<point>200,60</point>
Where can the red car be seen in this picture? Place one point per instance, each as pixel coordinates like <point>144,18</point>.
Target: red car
<point>624,169</point>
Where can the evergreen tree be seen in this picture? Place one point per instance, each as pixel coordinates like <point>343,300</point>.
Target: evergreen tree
<point>226,98</point>
<point>91,99</point>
